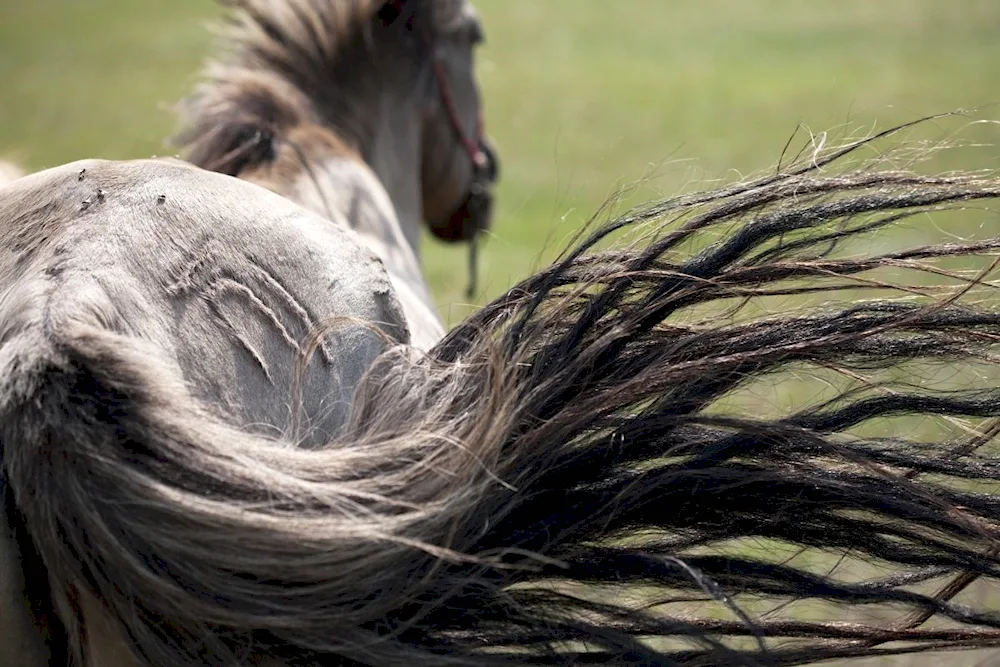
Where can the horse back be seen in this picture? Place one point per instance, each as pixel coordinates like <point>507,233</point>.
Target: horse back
<point>224,278</point>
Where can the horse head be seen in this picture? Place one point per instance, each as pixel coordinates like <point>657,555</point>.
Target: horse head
<point>460,165</point>
<point>392,82</point>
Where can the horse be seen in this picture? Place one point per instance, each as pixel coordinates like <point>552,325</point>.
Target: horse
<point>562,479</point>
<point>363,111</point>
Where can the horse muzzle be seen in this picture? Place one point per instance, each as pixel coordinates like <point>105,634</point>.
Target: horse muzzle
<point>475,214</point>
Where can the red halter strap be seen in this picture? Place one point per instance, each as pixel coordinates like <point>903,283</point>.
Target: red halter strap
<point>478,197</point>
<point>472,146</point>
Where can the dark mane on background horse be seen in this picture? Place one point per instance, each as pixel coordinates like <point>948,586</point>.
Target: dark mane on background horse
<point>558,481</point>
<point>284,65</point>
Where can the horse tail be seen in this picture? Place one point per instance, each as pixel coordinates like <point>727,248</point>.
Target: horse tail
<point>75,402</point>
<point>584,472</point>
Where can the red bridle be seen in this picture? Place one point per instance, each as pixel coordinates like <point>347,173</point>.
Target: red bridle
<point>479,199</point>
<point>478,189</point>
<point>473,144</point>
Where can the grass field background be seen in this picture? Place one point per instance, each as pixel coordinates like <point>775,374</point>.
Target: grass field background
<point>583,96</point>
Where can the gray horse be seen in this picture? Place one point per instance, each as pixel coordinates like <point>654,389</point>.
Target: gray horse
<point>364,112</point>
<point>556,482</point>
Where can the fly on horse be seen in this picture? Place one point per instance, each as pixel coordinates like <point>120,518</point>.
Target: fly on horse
<point>562,479</point>
<point>360,111</point>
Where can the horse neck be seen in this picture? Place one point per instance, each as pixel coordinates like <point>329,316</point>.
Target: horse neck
<point>384,134</point>
<point>394,155</point>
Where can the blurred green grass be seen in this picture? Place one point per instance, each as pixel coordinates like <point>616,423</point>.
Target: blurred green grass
<point>582,96</point>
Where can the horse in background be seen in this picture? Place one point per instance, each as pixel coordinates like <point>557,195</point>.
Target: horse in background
<point>364,112</point>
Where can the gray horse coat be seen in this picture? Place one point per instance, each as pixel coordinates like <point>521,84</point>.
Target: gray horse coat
<point>221,277</point>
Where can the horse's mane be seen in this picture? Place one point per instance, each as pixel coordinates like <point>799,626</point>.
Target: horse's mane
<point>279,65</point>
<point>559,481</point>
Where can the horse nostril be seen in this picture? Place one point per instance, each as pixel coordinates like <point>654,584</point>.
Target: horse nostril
<point>492,161</point>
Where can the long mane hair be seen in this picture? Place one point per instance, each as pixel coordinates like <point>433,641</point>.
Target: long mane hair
<point>564,479</point>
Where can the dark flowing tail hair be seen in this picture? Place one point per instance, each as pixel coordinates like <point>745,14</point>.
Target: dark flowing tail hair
<point>579,473</point>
